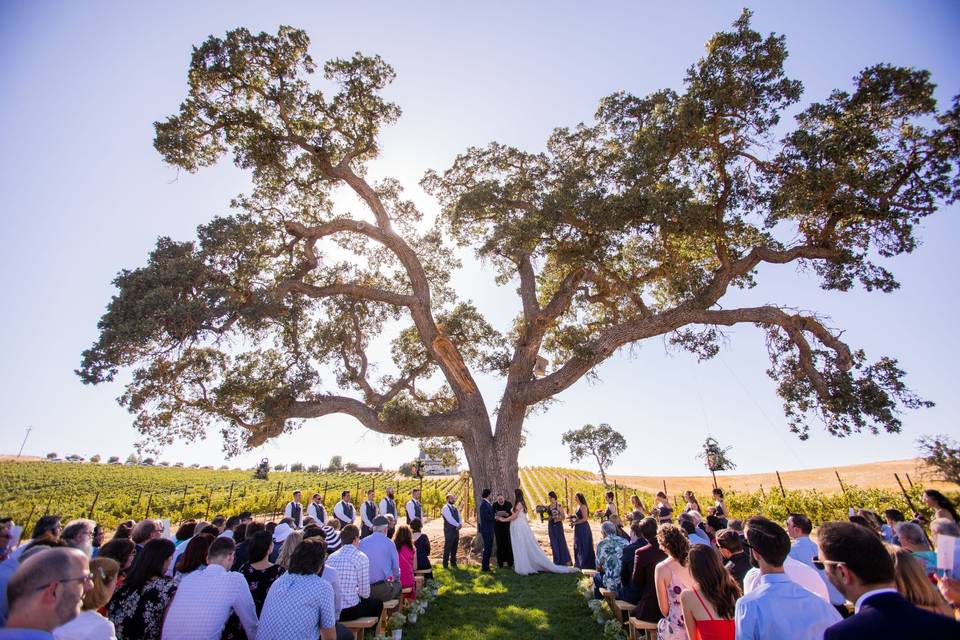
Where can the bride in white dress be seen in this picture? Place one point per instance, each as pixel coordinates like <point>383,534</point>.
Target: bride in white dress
<point>528,557</point>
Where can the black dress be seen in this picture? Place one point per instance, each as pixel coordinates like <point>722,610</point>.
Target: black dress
<point>260,583</point>
<point>422,545</point>
<point>501,531</point>
<point>138,613</point>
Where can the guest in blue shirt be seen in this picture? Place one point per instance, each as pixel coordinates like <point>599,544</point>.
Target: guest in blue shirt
<point>805,550</point>
<point>858,564</point>
<point>778,607</point>
<point>300,603</point>
<point>45,592</point>
<point>689,525</point>
<point>384,562</point>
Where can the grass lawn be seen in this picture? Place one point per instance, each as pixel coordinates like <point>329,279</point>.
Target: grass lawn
<point>473,605</point>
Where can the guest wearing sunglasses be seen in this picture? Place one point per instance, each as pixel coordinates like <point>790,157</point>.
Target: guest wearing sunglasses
<point>45,592</point>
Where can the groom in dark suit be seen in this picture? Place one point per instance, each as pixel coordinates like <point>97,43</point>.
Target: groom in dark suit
<point>485,528</point>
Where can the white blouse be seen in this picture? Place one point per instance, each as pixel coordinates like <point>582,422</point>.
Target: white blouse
<point>89,625</point>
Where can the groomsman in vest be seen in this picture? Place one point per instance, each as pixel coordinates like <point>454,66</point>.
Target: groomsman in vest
<point>294,511</point>
<point>317,511</point>
<point>388,507</point>
<point>368,512</point>
<point>451,532</point>
<point>414,510</point>
<point>343,510</point>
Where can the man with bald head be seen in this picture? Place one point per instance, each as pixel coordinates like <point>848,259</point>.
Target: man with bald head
<point>45,592</point>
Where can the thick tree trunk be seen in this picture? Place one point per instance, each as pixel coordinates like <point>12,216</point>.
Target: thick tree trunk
<point>492,458</point>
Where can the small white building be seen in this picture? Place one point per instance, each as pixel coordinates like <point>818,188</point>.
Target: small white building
<point>431,467</point>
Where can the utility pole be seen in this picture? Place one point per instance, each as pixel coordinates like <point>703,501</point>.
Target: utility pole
<point>23,444</point>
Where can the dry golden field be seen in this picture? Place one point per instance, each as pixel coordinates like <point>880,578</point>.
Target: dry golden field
<point>877,475</point>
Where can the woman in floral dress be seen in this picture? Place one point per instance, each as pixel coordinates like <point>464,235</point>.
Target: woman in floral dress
<point>671,577</point>
<point>136,609</point>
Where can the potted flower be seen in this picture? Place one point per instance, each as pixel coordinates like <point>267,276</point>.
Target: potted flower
<point>613,630</point>
<point>395,624</point>
<point>416,608</point>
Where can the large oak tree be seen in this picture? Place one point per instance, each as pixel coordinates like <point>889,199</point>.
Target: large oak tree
<point>629,228</point>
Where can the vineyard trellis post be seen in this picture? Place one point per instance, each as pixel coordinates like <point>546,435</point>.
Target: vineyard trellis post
<point>139,495</point>
<point>908,479</point>
<point>912,508</point>
<point>665,494</point>
<point>209,500</point>
<point>93,505</point>
<point>782,490</point>
<point>842,488</point>
<point>183,502</point>
<point>324,498</point>
<point>47,512</point>
<point>566,493</point>
<point>149,503</point>
<point>230,495</point>
<point>26,521</point>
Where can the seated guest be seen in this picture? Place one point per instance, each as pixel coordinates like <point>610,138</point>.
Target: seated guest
<point>89,624</point>
<point>708,605</point>
<point>182,546</point>
<point>242,555</point>
<point>628,593</point>
<point>893,517</point>
<point>137,607</point>
<point>407,556</point>
<point>124,529</point>
<point>712,525</point>
<point>280,533</point>
<point>803,549</point>
<point>672,576</point>
<point>194,557</point>
<point>807,577</point>
<point>384,561</point>
<point>913,540</point>
<point>689,526</point>
<point>422,544</point>
<point>353,567</point>
<point>45,592</point>
<point>609,557</point>
<point>947,527</point>
<point>730,546</point>
<point>123,551</point>
<point>207,596</point>
<point>290,544</point>
<point>185,531</point>
<point>859,566</point>
<point>259,573</point>
<point>779,607</point>
<point>913,584</point>
<point>46,527</point>
<point>145,531</point>
<point>300,603</point>
<point>240,533</point>
<point>645,561</point>
<point>79,535</point>
<point>229,526</point>
<point>736,525</point>
<point>331,538</point>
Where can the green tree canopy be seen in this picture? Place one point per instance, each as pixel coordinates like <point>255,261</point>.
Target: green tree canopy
<point>603,443</point>
<point>634,226</point>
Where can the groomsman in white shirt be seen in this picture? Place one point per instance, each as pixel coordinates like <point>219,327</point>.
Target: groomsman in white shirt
<point>414,509</point>
<point>317,511</point>
<point>344,511</point>
<point>294,511</point>
<point>451,532</point>
<point>368,511</point>
<point>388,507</point>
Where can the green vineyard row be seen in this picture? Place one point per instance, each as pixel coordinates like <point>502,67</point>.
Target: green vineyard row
<point>112,493</point>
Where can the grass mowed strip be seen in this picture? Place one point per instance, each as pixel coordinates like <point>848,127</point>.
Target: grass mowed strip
<point>473,605</point>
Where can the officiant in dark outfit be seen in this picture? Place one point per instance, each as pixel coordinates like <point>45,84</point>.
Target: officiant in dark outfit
<point>501,531</point>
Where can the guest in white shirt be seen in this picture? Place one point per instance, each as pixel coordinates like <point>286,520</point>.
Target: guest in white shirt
<point>207,596</point>
<point>388,509</point>
<point>368,512</point>
<point>778,607</point>
<point>414,509</point>
<point>452,522</point>
<point>229,527</point>
<point>89,624</point>
<point>317,511</point>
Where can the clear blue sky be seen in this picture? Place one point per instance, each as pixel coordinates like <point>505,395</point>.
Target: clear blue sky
<point>84,194</point>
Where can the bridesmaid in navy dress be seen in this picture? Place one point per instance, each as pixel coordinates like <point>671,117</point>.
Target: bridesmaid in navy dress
<point>583,553</point>
<point>558,541</point>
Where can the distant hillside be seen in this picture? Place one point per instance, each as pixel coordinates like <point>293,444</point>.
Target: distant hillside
<point>874,474</point>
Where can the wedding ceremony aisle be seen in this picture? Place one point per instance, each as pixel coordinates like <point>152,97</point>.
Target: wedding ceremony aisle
<point>473,605</point>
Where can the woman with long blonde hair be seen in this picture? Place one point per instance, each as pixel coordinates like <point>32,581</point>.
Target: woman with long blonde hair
<point>913,584</point>
<point>290,545</point>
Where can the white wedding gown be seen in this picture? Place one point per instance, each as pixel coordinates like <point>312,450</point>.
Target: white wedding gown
<point>528,557</point>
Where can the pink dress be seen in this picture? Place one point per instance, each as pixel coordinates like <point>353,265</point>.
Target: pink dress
<point>406,570</point>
